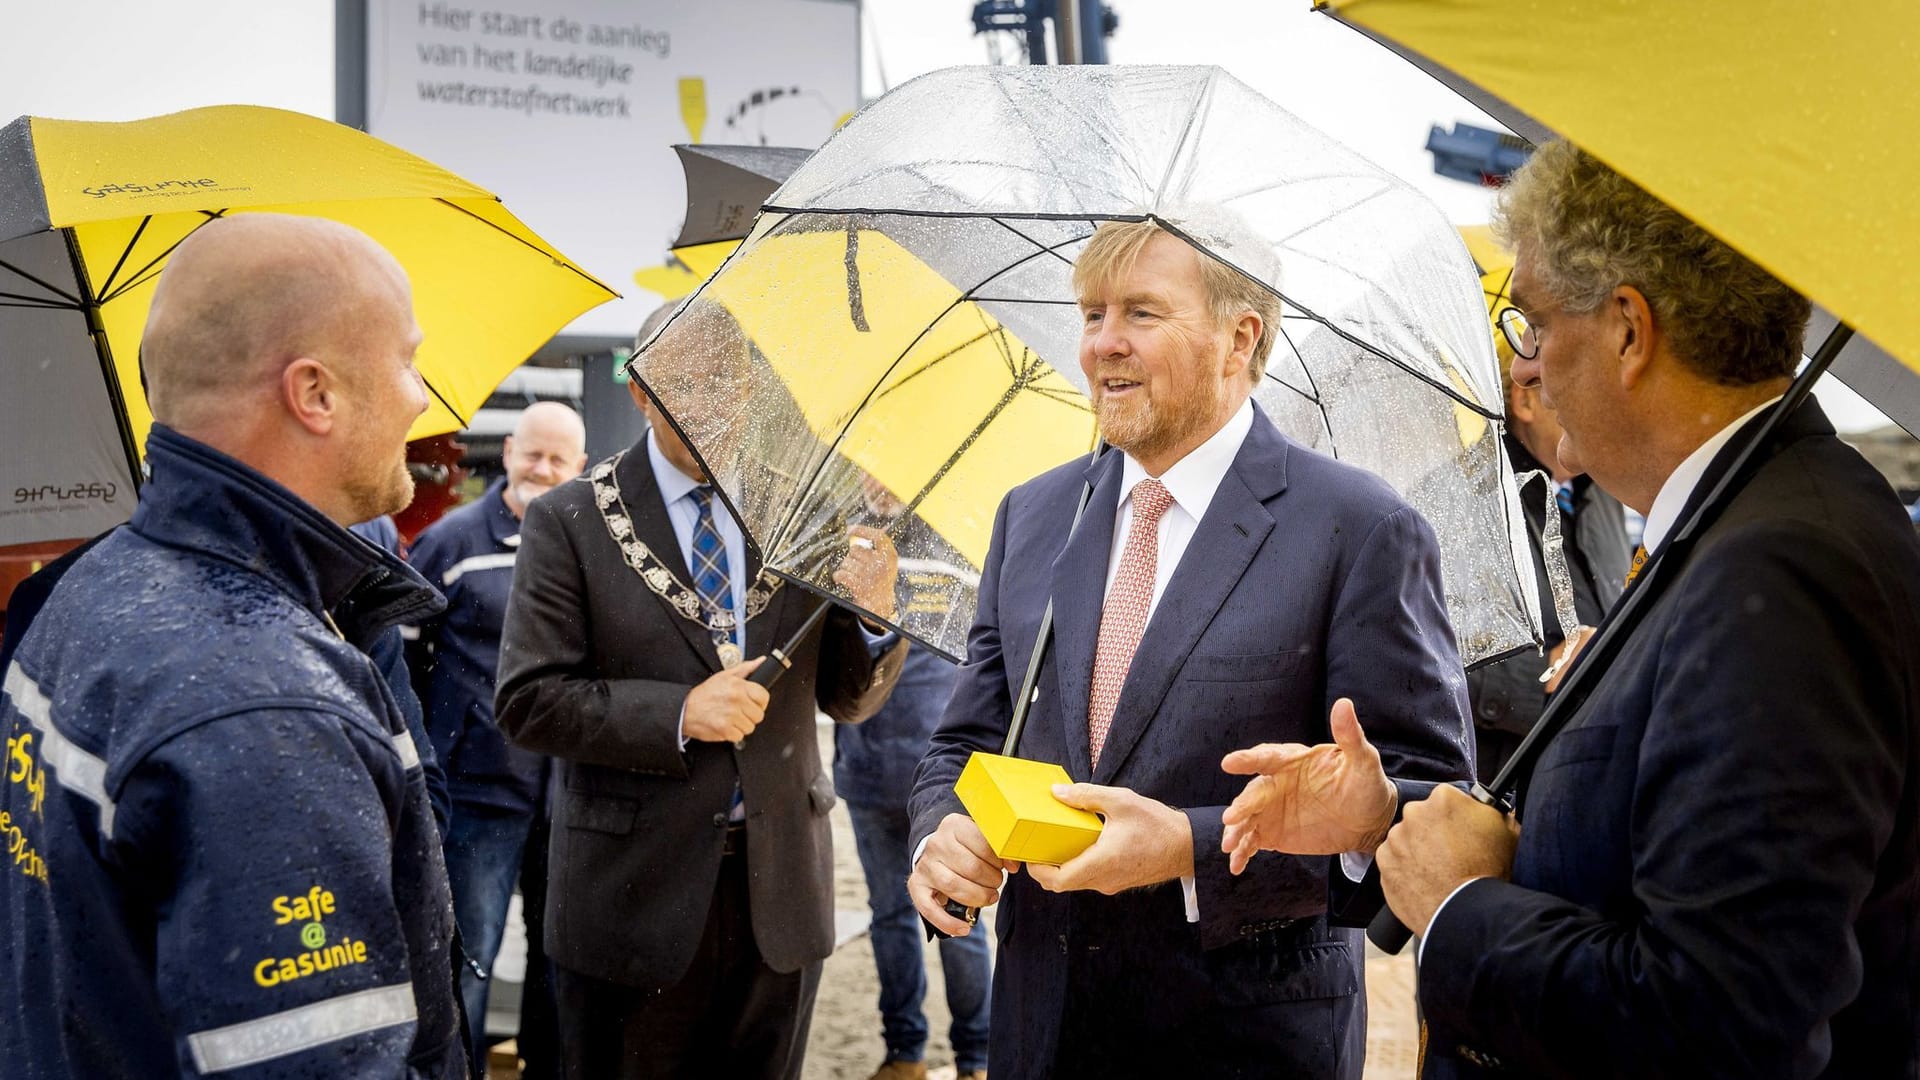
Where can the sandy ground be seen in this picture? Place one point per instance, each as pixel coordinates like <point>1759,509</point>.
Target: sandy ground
<point>845,1043</point>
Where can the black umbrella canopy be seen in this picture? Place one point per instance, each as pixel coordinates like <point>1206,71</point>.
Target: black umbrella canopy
<point>727,184</point>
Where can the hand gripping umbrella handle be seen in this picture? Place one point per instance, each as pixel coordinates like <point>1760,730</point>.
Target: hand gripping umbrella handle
<point>1386,930</point>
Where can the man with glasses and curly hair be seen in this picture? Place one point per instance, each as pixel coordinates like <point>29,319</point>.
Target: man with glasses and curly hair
<point>1714,868</point>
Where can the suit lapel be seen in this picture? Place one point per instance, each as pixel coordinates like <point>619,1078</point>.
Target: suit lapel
<point>1223,546</point>
<point>1078,588</point>
<point>651,525</point>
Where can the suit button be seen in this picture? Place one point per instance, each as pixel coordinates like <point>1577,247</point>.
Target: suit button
<point>1063,944</point>
<point>719,821</point>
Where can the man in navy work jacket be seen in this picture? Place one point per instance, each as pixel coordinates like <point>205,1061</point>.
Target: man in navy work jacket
<point>228,861</point>
<point>1225,586</point>
<point>1717,867</point>
<point>497,789</point>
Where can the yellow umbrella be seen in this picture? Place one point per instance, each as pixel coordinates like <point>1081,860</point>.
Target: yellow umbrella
<point>1785,129</point>
<point>1495,264</point>
<point>689,267</point>
<point>90,211</point>
<point>877,371</point>
<point>901,416</point>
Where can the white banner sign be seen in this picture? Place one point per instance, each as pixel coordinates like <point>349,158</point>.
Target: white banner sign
<point>567,109</point>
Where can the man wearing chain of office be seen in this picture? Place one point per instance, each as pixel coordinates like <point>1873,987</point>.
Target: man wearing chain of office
<point>690,895</point>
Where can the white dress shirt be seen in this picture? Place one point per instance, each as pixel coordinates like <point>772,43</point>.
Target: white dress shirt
<point>683,510</point>
<point>1192,481</point>
<point>1665,514</point>
<point>1662,519</point>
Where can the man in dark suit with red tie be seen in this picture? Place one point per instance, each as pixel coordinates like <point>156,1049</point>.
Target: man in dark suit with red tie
<point>1224,586</point>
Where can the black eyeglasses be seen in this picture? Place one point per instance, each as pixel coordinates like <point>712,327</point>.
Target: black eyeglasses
<point>1518,332</point>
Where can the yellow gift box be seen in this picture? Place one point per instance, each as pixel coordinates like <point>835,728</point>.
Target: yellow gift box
<point>1011,799</point>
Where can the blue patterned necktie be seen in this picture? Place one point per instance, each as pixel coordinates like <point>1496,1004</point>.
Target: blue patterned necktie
<point>1563,495</point>
<point>713,580</point>
<point>712,576</point>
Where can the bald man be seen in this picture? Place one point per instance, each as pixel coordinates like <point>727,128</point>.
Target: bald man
<point>222,857</point>
<point>498,790</point>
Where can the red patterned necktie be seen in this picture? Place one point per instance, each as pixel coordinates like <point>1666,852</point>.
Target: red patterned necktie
<point>1124,618</point>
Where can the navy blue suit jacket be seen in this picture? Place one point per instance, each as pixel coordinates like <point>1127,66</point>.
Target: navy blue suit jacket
<point>1307,580</point>
<point>1718,871</point>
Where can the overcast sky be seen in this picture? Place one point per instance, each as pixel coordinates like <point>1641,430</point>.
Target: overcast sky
<point>122,59</point>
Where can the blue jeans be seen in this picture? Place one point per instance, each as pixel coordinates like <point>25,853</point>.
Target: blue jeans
<point>880,834</point>
<point>483,861</point>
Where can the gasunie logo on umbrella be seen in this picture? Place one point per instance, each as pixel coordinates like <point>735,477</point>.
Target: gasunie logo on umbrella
<point>161,187</point>
<point>103,491</point>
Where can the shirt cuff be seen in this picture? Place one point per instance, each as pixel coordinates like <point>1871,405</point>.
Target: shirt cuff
<point>1420,951</point>
<point>919,849</point>
<point>1191,891</point>
<point>1355,865</point>
<point>879,642</point>
<point>680,726</point>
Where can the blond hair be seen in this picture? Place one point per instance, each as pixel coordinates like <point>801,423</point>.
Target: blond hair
<point>1116,245</point>
<point>1590,230</point>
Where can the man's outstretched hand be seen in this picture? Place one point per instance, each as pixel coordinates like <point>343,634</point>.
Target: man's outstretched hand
<point>1309,800</point>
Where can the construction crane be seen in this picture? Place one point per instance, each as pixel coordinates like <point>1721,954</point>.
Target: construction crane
<point>1080,28</point>
<point>1477,155</point>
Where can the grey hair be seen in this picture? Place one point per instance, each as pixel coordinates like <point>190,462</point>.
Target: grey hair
<point>1589,230</point>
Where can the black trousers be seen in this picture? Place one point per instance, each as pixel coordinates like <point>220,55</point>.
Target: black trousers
<point>730,1016</point>
<point>539,1039</point>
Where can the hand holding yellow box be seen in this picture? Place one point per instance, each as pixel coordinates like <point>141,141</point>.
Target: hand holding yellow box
<point>1011,799</point>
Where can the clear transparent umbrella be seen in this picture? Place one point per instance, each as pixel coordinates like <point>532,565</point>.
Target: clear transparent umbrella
<point>914,338</point>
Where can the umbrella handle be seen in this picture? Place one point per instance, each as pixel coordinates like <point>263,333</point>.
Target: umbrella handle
<point>781,658</point>
<point>1386,930</point>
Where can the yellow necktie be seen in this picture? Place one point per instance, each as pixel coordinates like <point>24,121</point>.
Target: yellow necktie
<point>1639,560</point>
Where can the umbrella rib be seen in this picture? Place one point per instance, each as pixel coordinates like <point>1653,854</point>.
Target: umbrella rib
<point>1056,254</point>
<point>50,287</point>
<point>106,287</point>
<point>1019,383</point>
<point>968,297</point>
<point>1296,181</point>
<point>521,240</point>
<point>1304,395</point>
<point>881,211</point>
<point>1186,132</point>
<point>1063,397</point>
<point>146,273</point>
<point>1326,418</point>
<point>928,366</point>
<point>1441,387</point>
<point>1383,189</point>
<point>40,302</point>
<point>1017,106</point>
<point>442,399</point>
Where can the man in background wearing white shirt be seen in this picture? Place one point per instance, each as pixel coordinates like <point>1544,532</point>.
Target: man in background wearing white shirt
<point>1224,587</point>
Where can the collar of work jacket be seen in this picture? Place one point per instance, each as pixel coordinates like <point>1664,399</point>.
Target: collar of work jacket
<point>202,500</point>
